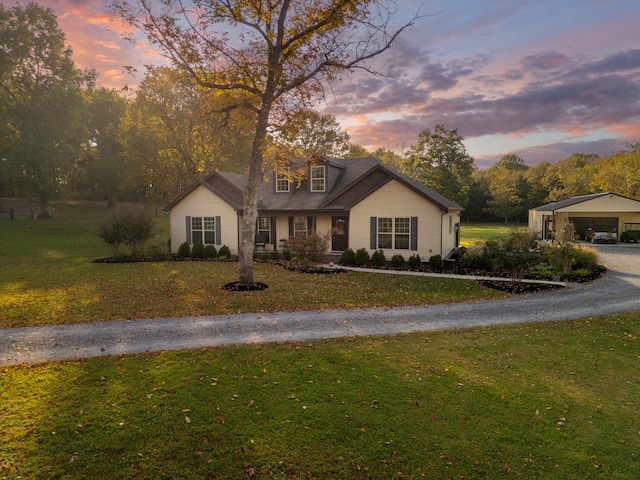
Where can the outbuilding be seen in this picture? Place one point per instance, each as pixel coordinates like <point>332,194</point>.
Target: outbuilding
<point>584,212</point>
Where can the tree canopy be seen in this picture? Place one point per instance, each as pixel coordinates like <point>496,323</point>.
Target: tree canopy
<point>41,101</point>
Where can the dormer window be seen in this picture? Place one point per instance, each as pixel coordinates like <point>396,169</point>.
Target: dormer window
<point>282,183</point>
<point>318,179</point>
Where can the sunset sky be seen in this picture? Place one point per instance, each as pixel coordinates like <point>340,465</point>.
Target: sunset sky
<point>541,79</point>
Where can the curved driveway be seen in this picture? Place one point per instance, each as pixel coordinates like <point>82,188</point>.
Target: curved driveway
<point>618,291</point>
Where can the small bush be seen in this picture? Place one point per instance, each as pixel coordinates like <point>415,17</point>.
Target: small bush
<point>378,259</point>
<point>224,252</point>
<point>397,261</point>
<point>435,263</point>
<point>415,261</point>
<point>348,258</point>
<point>128,224</point>
<point>362,257</point>
<point>197,251</point>
<point>274,255</point>
<point>585,258</point>
<point>310,248</point>
<point>210,251</point>
<point>184,250</point>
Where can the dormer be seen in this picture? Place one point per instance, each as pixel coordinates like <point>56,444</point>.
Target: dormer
<point>318,178</point>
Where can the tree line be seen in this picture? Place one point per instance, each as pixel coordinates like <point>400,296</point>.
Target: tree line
<point>61,135</point>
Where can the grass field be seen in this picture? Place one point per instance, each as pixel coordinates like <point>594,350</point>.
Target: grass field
<point>544,401</point>
<point>47,276</point>
<point>473,233</point>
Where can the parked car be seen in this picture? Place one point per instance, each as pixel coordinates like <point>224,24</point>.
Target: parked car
<point>602,234</point>
<point>630,232</point>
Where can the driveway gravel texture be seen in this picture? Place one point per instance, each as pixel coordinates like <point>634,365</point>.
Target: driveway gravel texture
<point>617,291</point>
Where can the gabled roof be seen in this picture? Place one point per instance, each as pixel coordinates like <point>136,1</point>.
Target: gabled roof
<point>552,207</point>
<point>348,182</point>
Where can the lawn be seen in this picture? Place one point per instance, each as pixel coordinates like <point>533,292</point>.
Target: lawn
<point>545,401</point>
<point>473,233</point>
<point>47,276</point>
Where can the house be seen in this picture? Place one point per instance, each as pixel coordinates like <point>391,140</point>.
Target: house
<point>584,212</point>
<point>361,202</point>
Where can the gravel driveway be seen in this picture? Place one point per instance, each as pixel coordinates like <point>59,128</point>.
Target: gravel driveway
<point>618,291</point>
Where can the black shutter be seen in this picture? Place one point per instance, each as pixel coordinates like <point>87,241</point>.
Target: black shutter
<point>311,225</point>
<point>290,227</point>
<point>414,233</point>
<point>373,236</point>
<point>188,236</point>
<point>218,231</point>
<point>272,233</point>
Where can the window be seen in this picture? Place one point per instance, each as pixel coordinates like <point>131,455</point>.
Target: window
<point>318,179</point>
<point>394,233</point>
<point>402,230</point>
<point>264,229</point>
<point>300,226</point>
<point>203,230</point>
<point>282,183</point>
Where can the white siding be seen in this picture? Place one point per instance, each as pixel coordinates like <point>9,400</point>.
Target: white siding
<point>202,203</point>
<point>395,200</point>
<point>449,222</point>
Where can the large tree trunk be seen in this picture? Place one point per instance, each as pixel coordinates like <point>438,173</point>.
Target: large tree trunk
<point>250,213</point>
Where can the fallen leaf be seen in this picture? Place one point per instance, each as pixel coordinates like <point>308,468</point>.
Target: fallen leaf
<point>187,419</point>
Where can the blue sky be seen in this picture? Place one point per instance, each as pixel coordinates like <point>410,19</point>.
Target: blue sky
<point>541,79</point>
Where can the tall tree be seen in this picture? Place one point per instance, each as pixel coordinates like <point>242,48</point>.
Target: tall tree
<point>277,52</point>
<point>310,134</point>
<point>508,188</point>
<point>42,99</point>
<point>570,177</point>
<point>174,131</point>
<point>440,161</point>
<point>106,109</point>
<point>619,174</point>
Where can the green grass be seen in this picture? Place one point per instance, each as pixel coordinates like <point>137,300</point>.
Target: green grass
<point>47,277</point>
<point>472,233</point>
<point>542,401</point>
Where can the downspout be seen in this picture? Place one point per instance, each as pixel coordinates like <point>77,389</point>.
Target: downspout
<point>441,230</point>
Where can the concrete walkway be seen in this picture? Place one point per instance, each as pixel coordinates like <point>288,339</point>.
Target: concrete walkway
<point>616,292</point>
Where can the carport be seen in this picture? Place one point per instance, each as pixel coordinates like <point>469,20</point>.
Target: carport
<point>585,211</point>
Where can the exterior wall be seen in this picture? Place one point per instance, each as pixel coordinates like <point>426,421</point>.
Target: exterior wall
<point>395,200</point>
<point>536,221</point>
<point>202,203</point>
<point>449,222</point>
<point>606,204</point>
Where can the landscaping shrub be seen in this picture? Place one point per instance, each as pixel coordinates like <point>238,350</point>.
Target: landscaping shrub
<point>415,261</point>
<point>378,259</point>
<point>476,258</point>
<point>585,258</point>
<point>397,261</point>
<point>310,248</point>
<point>274,255</point>
<point>210,251</point>
<point>184,250</point>
<point>435,263</point>
<point>197,251</point>
<point>129,225</point>
<point>362,257</point>
<point>348,257</point>
<point>286,253</point>
<point>224,252</point>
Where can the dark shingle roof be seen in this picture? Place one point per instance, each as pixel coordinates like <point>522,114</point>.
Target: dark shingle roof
<point>345,179</point>
<point>551,207</point>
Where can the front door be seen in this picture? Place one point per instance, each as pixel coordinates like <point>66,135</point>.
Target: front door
<point>339,237</point>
